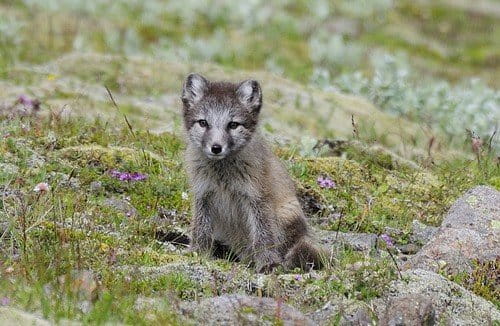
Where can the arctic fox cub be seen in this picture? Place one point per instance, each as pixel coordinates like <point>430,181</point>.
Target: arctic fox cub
<point>243,196</point>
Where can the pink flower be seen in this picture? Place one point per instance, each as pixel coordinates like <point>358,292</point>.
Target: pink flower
<point>477,143</point>
<point>42,187</point>
<point>387,239</point>
<point>326,182</point>
<point>127,176</point>
<point>28,102</point>
<point>4,301</point>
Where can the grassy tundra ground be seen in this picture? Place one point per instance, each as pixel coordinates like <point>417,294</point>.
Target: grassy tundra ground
<point>102,246</point>
<point>89,220</point>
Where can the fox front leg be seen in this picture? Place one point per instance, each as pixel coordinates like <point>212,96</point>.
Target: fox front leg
<point>201,227</point>
<point>264,243</point>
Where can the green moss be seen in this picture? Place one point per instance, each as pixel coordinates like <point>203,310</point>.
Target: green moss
<point>495,182</point>
<point>108,157</point>
<point>371,195</point>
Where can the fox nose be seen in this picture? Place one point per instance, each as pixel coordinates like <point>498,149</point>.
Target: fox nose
<point>216,148</point>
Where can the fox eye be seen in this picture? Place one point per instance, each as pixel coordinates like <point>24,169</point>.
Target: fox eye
<point>203,123</point>
<point>233,125</point>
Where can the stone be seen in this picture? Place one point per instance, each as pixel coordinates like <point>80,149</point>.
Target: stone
<point>236,309</point>
<point>13,316</point>
<point>96,186</point>
<point>408,310</point>
<point>35,161</point>
<point>357,241</point>
<point>82,283</point>
<point>342,311</point>
<point>452,304</point>
<point>421,233</point>
<point>408,249</point>
<point>361,317</point>
<point>468,233</point>
<point>121,205</point>
<point>9,169</point>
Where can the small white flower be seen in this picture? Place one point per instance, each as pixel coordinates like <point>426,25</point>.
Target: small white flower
<point>42,187</point>
<point>184,195</point>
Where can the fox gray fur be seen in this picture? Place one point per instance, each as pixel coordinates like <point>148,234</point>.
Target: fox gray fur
<point>243,196</point>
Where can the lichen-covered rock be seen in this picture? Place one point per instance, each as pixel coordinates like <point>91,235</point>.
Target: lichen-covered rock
<point>421,233</point>
<point>8,169</point>
<point>356,241</point>
<point>342,311</point>
<point>477,209</point>
<point>453,304</point>
<point>469,232</point>
<point>409,310</point>
<point>13,316</point>
<point>244,310</point>
<point>121,205</point>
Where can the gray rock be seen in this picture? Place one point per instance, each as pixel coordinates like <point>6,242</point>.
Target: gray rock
<point>13,316</point>
<point>408,249</point>
<point>453,304</point>
<point>96,186</point>
<point>475,210</point>
<point>342,311</point>
<point>8,168</point>
<point>7,192</point>
<point>356,241</point>
<point>421,233</point>
<point>121,205</point>
<point>469,232</point>
<point>408,310</point>
<point>35,161</point>
<point>64,180</point>
<point>238,309</point>
<point>361,317</point>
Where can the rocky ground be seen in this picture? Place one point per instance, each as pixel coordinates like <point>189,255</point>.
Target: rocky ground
<point>367,104</point>
<point>94,228</point>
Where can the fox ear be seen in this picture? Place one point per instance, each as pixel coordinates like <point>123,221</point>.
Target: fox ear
<point>250,94</point>
<point>194,89</point>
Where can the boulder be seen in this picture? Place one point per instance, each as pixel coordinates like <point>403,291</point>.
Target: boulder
<point>342,311</point>
<point>421,293</point>
<point>408,310</point>
<point>421,233</point>
<point>238,309</point>
<point>356,241</point>
<point>13,316</point>
<point>470,232</point>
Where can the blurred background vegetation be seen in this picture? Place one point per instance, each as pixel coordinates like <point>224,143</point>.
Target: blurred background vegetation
<point>432,62</point>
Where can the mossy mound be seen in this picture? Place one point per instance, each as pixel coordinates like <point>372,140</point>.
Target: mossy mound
<point>107,157</point>
<point>369,197</point>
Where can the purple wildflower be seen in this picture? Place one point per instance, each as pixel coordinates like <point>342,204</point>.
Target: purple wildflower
<point>387,239</point>
<point>137,176</point>
<point>28,102</point>
<point>25,100</point>
<point>4,301</point>
<point>326,182</point>
<point>298,277</point>
<point>128,176</point>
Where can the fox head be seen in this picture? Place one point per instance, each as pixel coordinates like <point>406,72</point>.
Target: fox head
<point>220,117</point>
